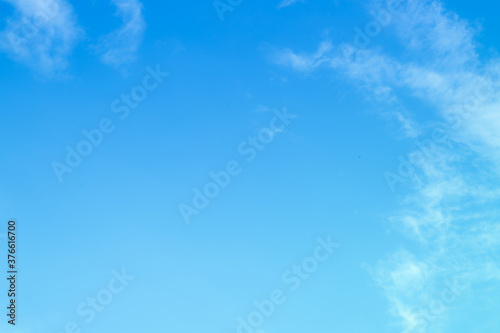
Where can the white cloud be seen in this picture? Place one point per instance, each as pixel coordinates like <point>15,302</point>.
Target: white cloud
<point>42,34</point>
<point>120,46</point>
<point>368,68</point>
<point>303,62</point>
<point>452,211</point>
<point>287,3</point>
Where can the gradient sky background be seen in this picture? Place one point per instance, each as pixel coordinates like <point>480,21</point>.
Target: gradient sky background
<point>324,174</point>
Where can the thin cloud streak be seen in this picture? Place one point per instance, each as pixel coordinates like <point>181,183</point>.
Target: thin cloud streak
<point>120,46</point>
<point>288,3</point>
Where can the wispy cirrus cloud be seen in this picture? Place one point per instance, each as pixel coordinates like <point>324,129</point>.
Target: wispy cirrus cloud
<point>303,62</point>
<point>287,3</point>
<point>120,46</point>
<point>451,212</point>
<point>369,70</point>
<point>41,34</point>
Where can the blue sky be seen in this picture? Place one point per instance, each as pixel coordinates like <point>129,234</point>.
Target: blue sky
<point>169,164</point>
